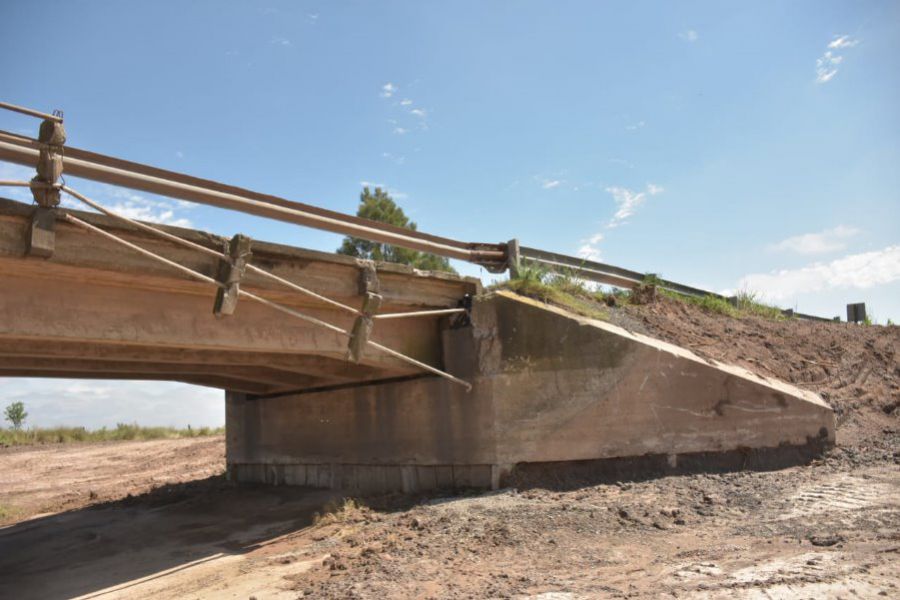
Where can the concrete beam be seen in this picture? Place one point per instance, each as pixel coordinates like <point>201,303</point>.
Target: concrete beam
<point>336,369</point>
<point>332,275</point>
<point>215,381</point>
<point>275,379</point>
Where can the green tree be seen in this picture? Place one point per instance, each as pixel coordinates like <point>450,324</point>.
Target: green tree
<point>379,206</point>
<point>15,414</point>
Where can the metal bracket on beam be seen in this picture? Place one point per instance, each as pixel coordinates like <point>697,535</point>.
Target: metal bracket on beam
<point>368,278</point>
<point>362,327</point>
<point>41,236</point>
<point>231,271</point>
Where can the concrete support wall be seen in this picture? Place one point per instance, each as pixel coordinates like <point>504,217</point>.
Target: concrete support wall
<point>548,387</point>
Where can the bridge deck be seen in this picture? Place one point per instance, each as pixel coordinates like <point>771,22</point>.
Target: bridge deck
<point>97,310</point>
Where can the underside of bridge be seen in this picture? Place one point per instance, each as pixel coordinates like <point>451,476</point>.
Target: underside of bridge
<point>548,387</point>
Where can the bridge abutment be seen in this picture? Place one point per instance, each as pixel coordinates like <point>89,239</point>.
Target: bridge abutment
<point>550,390</point>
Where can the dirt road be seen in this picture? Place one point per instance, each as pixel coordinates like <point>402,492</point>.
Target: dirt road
<point>831,529</point>
<point>56,477</point>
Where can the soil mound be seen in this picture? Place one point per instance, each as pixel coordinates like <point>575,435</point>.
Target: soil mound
<point>855,368</point>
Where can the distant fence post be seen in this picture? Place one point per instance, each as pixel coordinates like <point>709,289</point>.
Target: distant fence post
<point>856,313</point>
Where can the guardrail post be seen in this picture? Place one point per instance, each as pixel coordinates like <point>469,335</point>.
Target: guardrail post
<point>513,256</point>
<point>42,230</point>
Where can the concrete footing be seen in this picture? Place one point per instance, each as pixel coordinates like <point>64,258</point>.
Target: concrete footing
<point>550,389</point>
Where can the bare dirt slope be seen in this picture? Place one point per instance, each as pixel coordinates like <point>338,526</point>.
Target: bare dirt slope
<point>55,477</point>
<point>855,368</point>
<point>827,530</point>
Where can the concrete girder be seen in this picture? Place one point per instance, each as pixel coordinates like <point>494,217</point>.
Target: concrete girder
<point>94,301</point>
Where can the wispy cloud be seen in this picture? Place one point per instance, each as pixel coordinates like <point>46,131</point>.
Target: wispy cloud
<point>854,271</point>
<point>829,240</point>
<point>549,184</point>
<point>280,41</point>
<point>401,130</point>
<point>16,173</point>
<point>388,90</point>
<point>397,160</point>
<point>394,193</point>
<point>590,249</point>
<point>842,41</point>
<point>628,201</point>
<point>406,102</point>
<point>827,64</point>
<point>418,112</point>
<point>141,208</point>
<point>689,36</point>
<point>635,126</point>
<point>119,200</point>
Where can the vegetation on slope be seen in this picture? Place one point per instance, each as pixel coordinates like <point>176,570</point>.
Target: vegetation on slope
<point>122,431</point>
<point>565,290</point>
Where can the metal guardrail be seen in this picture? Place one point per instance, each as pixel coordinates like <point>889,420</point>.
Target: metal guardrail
<point>616,276</point>
<point>496,258</point>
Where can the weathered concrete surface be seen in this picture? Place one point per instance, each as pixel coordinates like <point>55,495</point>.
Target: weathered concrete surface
<point>97,310</point>
<point>548,386</point>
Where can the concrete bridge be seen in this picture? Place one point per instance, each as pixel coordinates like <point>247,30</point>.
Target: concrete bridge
<point>548,387</point>
<point>93,309</point>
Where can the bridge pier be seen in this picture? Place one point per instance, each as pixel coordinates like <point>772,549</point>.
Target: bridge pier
<point>551,390</point>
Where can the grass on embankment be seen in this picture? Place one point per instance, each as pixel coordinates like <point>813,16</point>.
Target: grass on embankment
<point>122,431</point>
<point>559,289</point>
<point>567,291</point>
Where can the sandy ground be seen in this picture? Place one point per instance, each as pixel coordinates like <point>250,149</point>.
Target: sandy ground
<point>828,530</point>
<point>157,520</point>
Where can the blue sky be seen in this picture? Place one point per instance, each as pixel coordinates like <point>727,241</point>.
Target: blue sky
<point>725,145</point>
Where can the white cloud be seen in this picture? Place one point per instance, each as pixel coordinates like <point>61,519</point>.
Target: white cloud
<point>854,271</point>
<point>589,248</point>
<point>400,130</point>
<point>826,67</point>
<point>406,102</point>
<point>179,154</point>
<point>280,41</point>
<point>628,201</point>
<point>635,126</point>
<point>842,41</point>
<point>16,173</point>
<point>94,404</point>
<point>119,200</point>
<point>827,64</point>
<point>418,112</point>
<point>398,160</point>
<point>313,17</point>
<point>395,194</point>
<point>135,206</point>
<point>549,184</point>
<point>388,90</point>
<point>822,242</point>
<point>688,36</point>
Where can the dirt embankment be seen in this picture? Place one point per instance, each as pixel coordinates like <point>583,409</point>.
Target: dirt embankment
<point>855,368</point>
